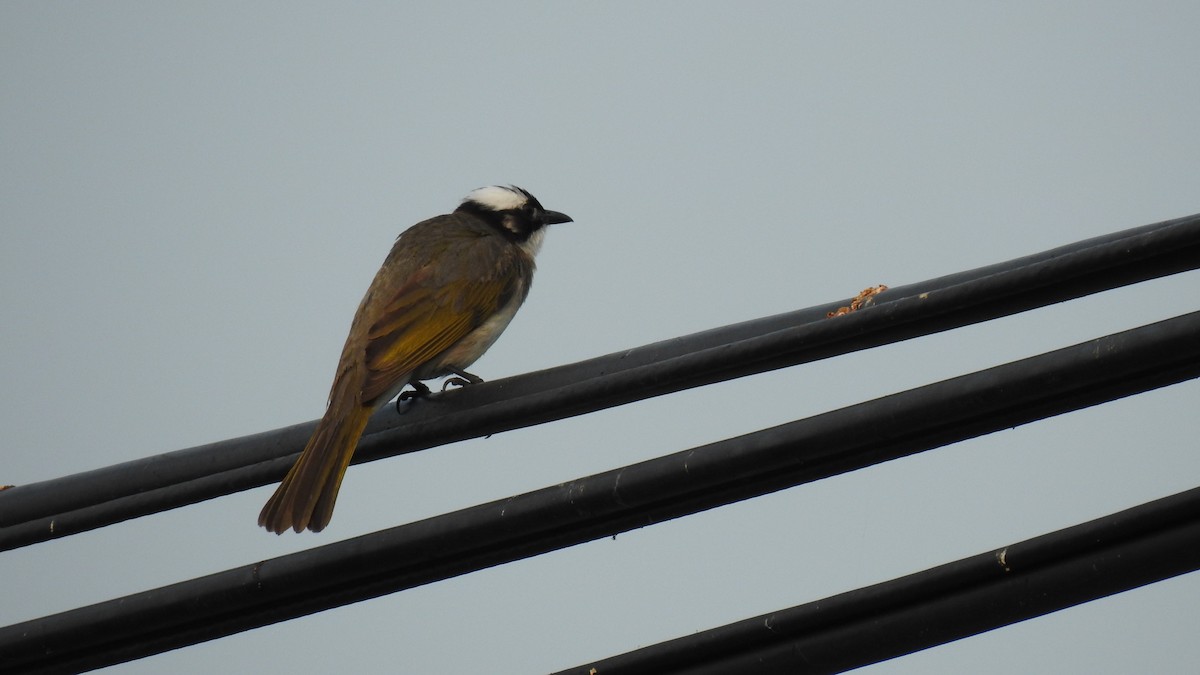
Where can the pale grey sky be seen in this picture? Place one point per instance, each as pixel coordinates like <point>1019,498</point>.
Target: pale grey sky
<point>194,198</point>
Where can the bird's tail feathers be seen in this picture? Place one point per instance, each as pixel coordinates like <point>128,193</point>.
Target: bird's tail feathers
<point>307,494</point>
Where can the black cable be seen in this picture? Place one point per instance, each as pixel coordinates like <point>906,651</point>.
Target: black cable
<point>84,501</point>
<point>1138,546</point>
<point>608,503</point>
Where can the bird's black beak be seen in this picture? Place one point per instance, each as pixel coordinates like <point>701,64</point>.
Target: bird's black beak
<point>552,217</point>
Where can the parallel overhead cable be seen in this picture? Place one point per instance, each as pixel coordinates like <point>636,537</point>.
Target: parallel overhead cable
<point>608,503</point>
<point>59,507</point>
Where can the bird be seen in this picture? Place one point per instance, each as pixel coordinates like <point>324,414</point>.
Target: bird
<point>448,288</point>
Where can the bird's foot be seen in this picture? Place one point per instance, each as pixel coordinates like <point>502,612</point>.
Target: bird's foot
<point>462,378</point>
<point>419,390</point>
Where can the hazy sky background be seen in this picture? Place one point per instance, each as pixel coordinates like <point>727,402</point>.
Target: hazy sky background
<point>195,196</point>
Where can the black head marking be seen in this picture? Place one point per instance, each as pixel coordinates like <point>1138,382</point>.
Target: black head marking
<point>513,211</point>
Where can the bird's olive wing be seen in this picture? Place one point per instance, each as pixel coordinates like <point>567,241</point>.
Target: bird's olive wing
<point>423,320</point>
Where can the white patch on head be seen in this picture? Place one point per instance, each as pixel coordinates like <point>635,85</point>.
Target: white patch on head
<point>497,198</point>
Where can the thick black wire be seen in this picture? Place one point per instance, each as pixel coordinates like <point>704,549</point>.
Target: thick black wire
<point>1116,553</point>
<point>84,501</point>
<point>608,503</point>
